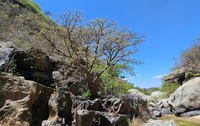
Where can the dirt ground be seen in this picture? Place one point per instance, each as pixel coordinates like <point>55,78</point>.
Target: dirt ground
<point>193,119</point>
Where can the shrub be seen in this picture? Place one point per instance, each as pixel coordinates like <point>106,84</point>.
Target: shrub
<point>170,88</point>
<point>85,94</point>
<point>33,6</point>
<point>189,74</point>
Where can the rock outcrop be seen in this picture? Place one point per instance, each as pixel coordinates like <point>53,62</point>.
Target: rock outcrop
<point>97,118</point>
<point>24,102</point>
<point>159,108</point>
<point>186,99</point>
<point>177,76</point>
<point>138,94</point>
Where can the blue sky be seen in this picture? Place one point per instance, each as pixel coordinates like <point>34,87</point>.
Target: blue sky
<point>169,25</point>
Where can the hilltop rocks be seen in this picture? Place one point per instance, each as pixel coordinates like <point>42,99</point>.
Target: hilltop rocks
<point>24,102</point>
<point>186,98</point>
<point>177,76</point>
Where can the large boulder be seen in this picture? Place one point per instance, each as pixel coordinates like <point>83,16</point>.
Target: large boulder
<point>97,118</point>
<point>33,58</point>
<point>59,109</point>
<point>24,102</point>
<point>127,105</point>
<point>138,94</point>
<point>186,98</point>
<point>177,75</point>
<point>75,85</point>
<point>157,94</point>
<point>159,108</point>
<point>88,105</point>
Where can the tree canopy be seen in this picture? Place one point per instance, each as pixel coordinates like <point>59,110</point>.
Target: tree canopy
<point>98,39</point>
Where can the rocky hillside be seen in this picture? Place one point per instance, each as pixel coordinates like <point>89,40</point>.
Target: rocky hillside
<point>27,99</point>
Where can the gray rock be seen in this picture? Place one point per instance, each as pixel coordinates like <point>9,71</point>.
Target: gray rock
<point>160,123</point>
<point>186,98</point>
<point>157,94</point>
<point>57,76</point>
<point>88,105</point>
<point>5,56</point>
<point>95,118</point>
<point>138,94</point>
<point>176,74</point>
<point>191,113</point>
<point>159,108</point>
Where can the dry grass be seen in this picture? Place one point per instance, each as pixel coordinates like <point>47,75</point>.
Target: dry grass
<point>135,122</point>
<point>193,119</point>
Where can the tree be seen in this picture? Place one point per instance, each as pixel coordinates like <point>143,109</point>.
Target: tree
<point>91,42</point>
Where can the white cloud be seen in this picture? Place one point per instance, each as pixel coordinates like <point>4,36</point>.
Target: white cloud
<point>159,76</point>
<point>129,78</point>
<point>138,74</point>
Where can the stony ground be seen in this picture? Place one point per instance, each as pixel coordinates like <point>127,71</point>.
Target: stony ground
<point>193,119</point>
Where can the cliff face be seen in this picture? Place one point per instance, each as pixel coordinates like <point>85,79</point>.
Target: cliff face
<point>24,102</point>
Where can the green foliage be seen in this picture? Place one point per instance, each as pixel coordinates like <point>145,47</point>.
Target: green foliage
<point>85,94</point>
<point>12,67</point>
<point>197,75</point>
<point>33,6</point>
<point>99,93</point>
<point>169,88</point>
<point>181,123</point>
<point>149,92</point>
<point>56,87</point>
<point>189,74</point>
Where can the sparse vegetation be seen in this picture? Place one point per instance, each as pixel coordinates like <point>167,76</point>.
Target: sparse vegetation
<point>85,94</point>
<point>190,58</point>
<point>12,67</point>
<point>181,123</point>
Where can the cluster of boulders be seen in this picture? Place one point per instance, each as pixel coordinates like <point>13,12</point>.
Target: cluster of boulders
<point>185,101</point>
<point>27,102</point>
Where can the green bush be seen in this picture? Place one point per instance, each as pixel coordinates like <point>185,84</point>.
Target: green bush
<point>169,88</point>
<point>189,74</point>
<point>33,6</point>
<point>85,94</point>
